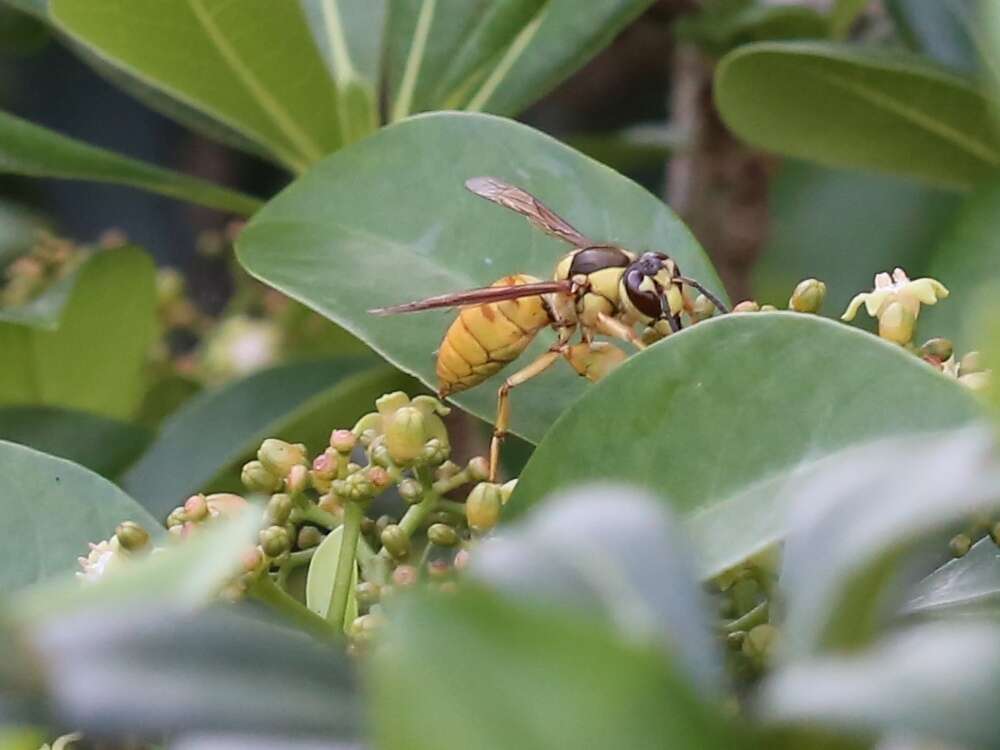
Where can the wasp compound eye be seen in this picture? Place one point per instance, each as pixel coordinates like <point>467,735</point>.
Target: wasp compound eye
<point>647,301</point>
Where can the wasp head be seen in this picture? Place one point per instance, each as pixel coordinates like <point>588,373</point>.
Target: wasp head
<point>649,287</point>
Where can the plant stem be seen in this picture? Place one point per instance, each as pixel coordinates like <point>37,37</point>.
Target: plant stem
<point>315,515</point>
<point>353,514</point>
<point>293,561</point>
<point>268,592</point>
<point>756,616</point>
<point>451,506</point>
<point>373,567</point>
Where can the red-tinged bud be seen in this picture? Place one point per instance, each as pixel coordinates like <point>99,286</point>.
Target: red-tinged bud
<point>405,576</point>
<point>298,479</point>
<point>195,508</point>
<point>343,441</point>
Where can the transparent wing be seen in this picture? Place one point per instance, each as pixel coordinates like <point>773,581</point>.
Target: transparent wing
<point>477,297</point>
<point>528,206</point>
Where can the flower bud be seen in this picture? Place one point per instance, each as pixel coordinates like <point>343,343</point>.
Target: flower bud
<point>252,559</point>
<point>970,363</point>
<point>405,576</point>
<point>960,545</point>
<point>976,381</point>
<point>702,308</point>
<point>746,306</point>
<point>225,504</point>
<point>388,404</point>
<point>367,437</point>
<point>808,296</point>
<point>760,641</point>
<point>195,508</point>
<point>279,507</point>
<point>176,518</point>
<point>478,469</point>
<point>274,541</point>
<point>131,536</point>
<point>438,569</point>
<point>411,491</point>
<point>768,308</point>
<point>896,323</point>
<point>358,487</point>
<point>379,478</point>
<point>442,535</point>
<point>256,478</point>
<point>279,457</point>
<point>383,522</point>
<point>461,561</point>
<point>446,470</point>
<point>405,435</point>
<point>435,452</point>
<point>343,441</point>
<point>482,508</point>
<point>324,466</point>
<point>367,593</point>
<point>366,429</point>
<point>298,479</point>
<point>309,537</point>
<point>937,348</point>
<point>395,540</point>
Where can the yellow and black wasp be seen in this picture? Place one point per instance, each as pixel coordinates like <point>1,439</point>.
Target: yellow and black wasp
<point>598,288</point>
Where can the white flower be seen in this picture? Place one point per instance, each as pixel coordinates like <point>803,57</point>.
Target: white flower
<point>897,288</point>
<point>103,557</point>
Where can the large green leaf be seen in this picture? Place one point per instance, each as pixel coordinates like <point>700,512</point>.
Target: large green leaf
<point>966,584</point>
<point>252,65</point>
<point>52,509</point>
<point>217,429</point>
<point>103,445</point>
<point>936,681</point>
<point>492,56</point>
<point>615,552</point>
<point>29,149</point>
<point>847,107</point>
<point>714,418</point>
<point>857,525</point>
<point>145,672</point>
<point>332,227</point>
<point>531,678</point>
<point>94,360</point>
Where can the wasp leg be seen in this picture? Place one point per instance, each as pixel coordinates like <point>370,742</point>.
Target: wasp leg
<point>697,285</point>
<point>613,327</point>
<point>674,321</point>
<point>540,365</point>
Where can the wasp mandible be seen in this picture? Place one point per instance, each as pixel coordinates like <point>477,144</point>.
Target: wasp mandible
<point>598,288</point>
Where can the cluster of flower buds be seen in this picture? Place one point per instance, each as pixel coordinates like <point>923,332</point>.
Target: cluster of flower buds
<point>49,260</point>
<point>807,297</point>
<point>969,369</point>
<point>745,594</point>
<point>130,539</point>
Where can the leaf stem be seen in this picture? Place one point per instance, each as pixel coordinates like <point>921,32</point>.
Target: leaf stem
<point>267,591</point>
<point>346,560</point>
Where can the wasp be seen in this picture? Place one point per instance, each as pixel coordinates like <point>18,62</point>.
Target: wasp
<point>597,289</point>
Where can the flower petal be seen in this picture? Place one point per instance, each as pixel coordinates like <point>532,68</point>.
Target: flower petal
<point>852,309</point>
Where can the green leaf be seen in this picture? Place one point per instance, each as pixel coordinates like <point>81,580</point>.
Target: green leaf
<point>186,576</point>
<point>218,429</point>
<point>714,418</point>
<point>529,678</point>
<point>103,445</point>
<point>858,524</point>
<point>724,24</point>
<point>52,509</point>
<point>936,681</point>
<point>615,552</point>
<point>44,310</point>
<point>283,99</point>
<point>349,36</point>
<point>322,570</point>
<point>869,109</point>
<point>330,228</point>
<point>29,149</point>
<point>966,584</point>
<point>148,672</point>
<point>492,56</point>
<point>94,361</point>
<point>944,31</point>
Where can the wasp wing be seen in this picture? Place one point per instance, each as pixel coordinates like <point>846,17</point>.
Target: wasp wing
<point>477,297</point>
<point>528,206</point>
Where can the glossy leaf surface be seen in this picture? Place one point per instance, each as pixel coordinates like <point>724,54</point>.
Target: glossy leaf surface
<point>29,149</point>
<point>53,510</point>
<point>322,570</point>
<point>845,107</point>
<point>330,229</point>
<point>94,361</point>
<point>967,584</point>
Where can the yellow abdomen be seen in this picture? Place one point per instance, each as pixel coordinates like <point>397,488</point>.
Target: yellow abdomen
<point>485,338</point>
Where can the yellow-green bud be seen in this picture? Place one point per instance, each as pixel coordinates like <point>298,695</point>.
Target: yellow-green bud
<point>274,541</point>
<point>971,363</point>
<point>746,306</point>
<point>435,451</point>
<point>411,491</point>
<point>478,469</point>
<point>176,518</point>
<point>442,535</point>
<point>896,323</point>
<point>482,508</point>
<point>256,478</point>
<point>760,641</point>
<point>279,507</point>
<point>358,487</point>
<point>369,436</point>
<point>309,537</point>
<point>195,508</point>
<point>702,308</point>
<point>367,593</point>
<point>380,455</point>
<point>405,435</point>
<point>131,536</point>
<point>395,540</point>
<point>937,348</point>
<point>279,457</point>
<point>960,545</point>
<point>390,402</point>
<point>976,381</point>
<point>768,308</point>
<point>446,470</point>
<point>808,296</point>
<point>343,441</point>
